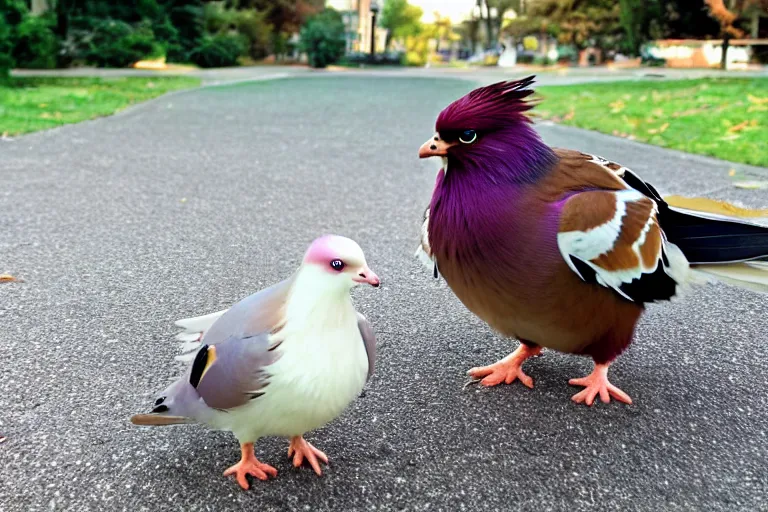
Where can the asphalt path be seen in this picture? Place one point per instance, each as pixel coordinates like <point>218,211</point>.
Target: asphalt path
<point>183,205</point>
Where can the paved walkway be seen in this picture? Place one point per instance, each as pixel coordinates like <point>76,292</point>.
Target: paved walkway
<point>482,75</point>
<point>185,204</point>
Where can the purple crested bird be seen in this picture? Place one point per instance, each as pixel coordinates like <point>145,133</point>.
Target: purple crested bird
<point>561,249</point>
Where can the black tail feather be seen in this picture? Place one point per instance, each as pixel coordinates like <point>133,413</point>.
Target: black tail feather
<point>706,238</point>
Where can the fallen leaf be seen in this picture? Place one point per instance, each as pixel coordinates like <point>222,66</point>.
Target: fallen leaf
<point>690,111</point>
<point>751,185</point>
<point>569,115</point>
<point>732,172</point>
<point>755,99</point>
<point>731,137</point>
<point>663,127</point>
<point>657,112</point>
<point>753,123</point>
<point>758,108</point>
<point>8,278</point>
<point>738,127</point>
<point>617,106</point>
<point>183,199</point>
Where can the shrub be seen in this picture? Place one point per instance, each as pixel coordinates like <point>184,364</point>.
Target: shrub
<point>322,38</point>
<point>187,18</point>
<point>117,44</point>
<point>36,43</point>
<point>220,50</point>
<point>6,48</point>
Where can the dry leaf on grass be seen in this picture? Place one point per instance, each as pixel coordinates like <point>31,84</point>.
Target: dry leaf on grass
<point>617,106</point>
<point>757,108</point>
<point>755,99</point>
<point>738,127</point>
<point>569,115</point>
<point>8,278</point>
<point>731,137</point>
<point>660,129</point>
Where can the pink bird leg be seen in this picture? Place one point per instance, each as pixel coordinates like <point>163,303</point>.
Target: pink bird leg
<point>250,465</point>
<point>300,449</point>
<point>508,369</point>
<point>597,383</point>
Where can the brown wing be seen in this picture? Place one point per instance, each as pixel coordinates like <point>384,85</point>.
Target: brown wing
<point>612,238</point>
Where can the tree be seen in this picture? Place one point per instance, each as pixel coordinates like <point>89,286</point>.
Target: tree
<point>502,8</point>
<point>637,18</point>
<point>401,19</point>
<point>322,38</point>
<point>728,17</point>
<point>582,22</point>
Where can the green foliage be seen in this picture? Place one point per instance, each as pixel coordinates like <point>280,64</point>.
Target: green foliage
<point>220,50</point>
<point>249,23</point>
<point>187,17</point>
<point>401,19</point>
<point>638,18</point>
<point>582,22</point>
<point>322,38</point>
<point>6,48</point>
<point>117,44</point>
<point>36,43</point>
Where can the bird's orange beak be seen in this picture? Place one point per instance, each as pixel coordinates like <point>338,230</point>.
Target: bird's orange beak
<point>435,147</point>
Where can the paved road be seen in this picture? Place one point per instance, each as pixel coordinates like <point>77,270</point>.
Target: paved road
<point>188,203</point>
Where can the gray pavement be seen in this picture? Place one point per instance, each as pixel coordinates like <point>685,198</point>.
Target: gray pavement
<point>185,204</point>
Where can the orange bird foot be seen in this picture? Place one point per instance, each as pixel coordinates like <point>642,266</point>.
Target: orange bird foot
<point>507,369</point>
<point>250,465</point>
<point>300,449</point>
<point>596,383</point>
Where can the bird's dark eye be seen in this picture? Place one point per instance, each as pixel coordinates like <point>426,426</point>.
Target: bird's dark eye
<point>337,265</point>
<point>468,136</point>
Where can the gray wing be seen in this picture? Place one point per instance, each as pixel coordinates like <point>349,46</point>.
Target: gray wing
<point>257,313</point>
<point>369,340</point>
<point>233,372</point>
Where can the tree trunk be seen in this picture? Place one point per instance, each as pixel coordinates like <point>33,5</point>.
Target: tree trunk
<point>724,56</point>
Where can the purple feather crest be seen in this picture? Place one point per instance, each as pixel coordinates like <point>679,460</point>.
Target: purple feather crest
<point>488,108</point>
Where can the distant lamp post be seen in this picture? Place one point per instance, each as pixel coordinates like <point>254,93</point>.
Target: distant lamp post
<point>374,12</point>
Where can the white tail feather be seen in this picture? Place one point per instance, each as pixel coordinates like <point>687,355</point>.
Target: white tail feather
<point>751,275</point>
<point>193,330</point>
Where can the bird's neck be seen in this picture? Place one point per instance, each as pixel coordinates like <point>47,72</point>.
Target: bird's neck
<point>317,301</point>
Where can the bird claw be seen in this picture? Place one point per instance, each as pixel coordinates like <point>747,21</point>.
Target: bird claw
<point>250,465</point>
<point>506,370</point>
<point>596,384</point>
<point>300,449</point>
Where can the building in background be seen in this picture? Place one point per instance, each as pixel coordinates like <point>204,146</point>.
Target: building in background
<point>358,20</point>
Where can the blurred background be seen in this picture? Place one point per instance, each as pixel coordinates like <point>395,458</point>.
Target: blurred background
<point>157,33</point>
<point>64,61</point>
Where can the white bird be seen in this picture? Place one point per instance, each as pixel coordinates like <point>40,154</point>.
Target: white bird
<point>282,362</point>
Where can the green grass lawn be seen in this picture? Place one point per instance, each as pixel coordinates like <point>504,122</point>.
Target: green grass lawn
<point>36,103</point>
<point>722,117</point>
